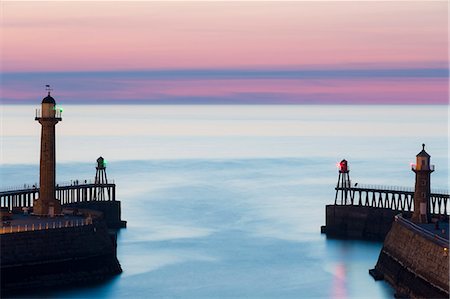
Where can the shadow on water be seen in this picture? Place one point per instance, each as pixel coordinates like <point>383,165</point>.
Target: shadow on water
<point>94,289</point>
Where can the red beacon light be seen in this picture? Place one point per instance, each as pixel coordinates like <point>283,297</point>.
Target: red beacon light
<point>343,186</point>
<point>342,166</point>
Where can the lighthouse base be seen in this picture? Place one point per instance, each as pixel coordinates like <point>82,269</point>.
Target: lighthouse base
<point>417,217</point>
<point>47,207</point>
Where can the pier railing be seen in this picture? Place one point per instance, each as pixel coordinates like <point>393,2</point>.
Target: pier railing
<point>391,197</point>
<point>59,184</point>
<point>5,229</point>
<point>422,231</point>
<point>67,193</point>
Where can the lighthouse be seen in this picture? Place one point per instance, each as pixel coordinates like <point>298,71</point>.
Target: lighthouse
<point>48,116</point>
<point>422,190</point>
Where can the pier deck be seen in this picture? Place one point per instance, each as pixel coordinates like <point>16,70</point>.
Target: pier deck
<point>20,222</point>
<point>441,231</point>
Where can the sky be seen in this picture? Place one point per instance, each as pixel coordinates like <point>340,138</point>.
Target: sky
<point>217,52</point>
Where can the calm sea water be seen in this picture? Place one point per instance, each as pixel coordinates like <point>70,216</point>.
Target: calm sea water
<point>227,201</point>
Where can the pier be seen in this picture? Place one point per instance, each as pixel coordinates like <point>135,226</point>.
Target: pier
<point>363,211</point>
<point>67,193</point>
<point>89,195</point>
<point>98,196</point>
<point>414,260</point>
<point>58,234</point>
<point>411,222</point>
<point>389,197</point>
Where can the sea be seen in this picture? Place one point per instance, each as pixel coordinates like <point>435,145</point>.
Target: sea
<point>226,201</point>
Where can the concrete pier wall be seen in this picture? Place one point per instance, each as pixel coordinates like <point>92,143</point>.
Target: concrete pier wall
<point>414,264</point>
<point>358,222</point>
<point>55,257</point>
<point>111,211</point>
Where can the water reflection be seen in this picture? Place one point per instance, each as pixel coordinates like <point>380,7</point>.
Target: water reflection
<point>339,288</point>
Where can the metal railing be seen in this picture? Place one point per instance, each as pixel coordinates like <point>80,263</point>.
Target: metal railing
<point>67,193</point>
<point>384,187</point>
<point>57,115</point>
<point>391,197</point>
<point>25,187</point>
<point>358,186</point>
<point>41,226</point>
<point>414,167</point>
<point>18,188</point>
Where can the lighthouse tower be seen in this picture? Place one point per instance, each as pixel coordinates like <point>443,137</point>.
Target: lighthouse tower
<point>48,116</point>
<point>423,170</point>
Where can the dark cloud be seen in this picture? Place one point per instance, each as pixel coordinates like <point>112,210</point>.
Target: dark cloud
<point>130,87</point>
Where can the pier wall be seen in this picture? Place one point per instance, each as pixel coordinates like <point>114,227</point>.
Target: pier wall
<point>358,222</point>
<point>111,211</point>
<point>414,264</point>
<point>55,257</point>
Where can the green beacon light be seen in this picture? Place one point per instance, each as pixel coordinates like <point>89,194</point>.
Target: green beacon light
<point>101,163</point>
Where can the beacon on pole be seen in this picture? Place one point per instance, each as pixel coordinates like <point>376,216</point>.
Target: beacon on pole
<point>344,184</point>
<point>422,190</point>
<point>48,116</point>
<point>100,180</point>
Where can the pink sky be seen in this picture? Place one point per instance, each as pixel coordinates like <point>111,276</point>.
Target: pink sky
<point>125,36</point>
